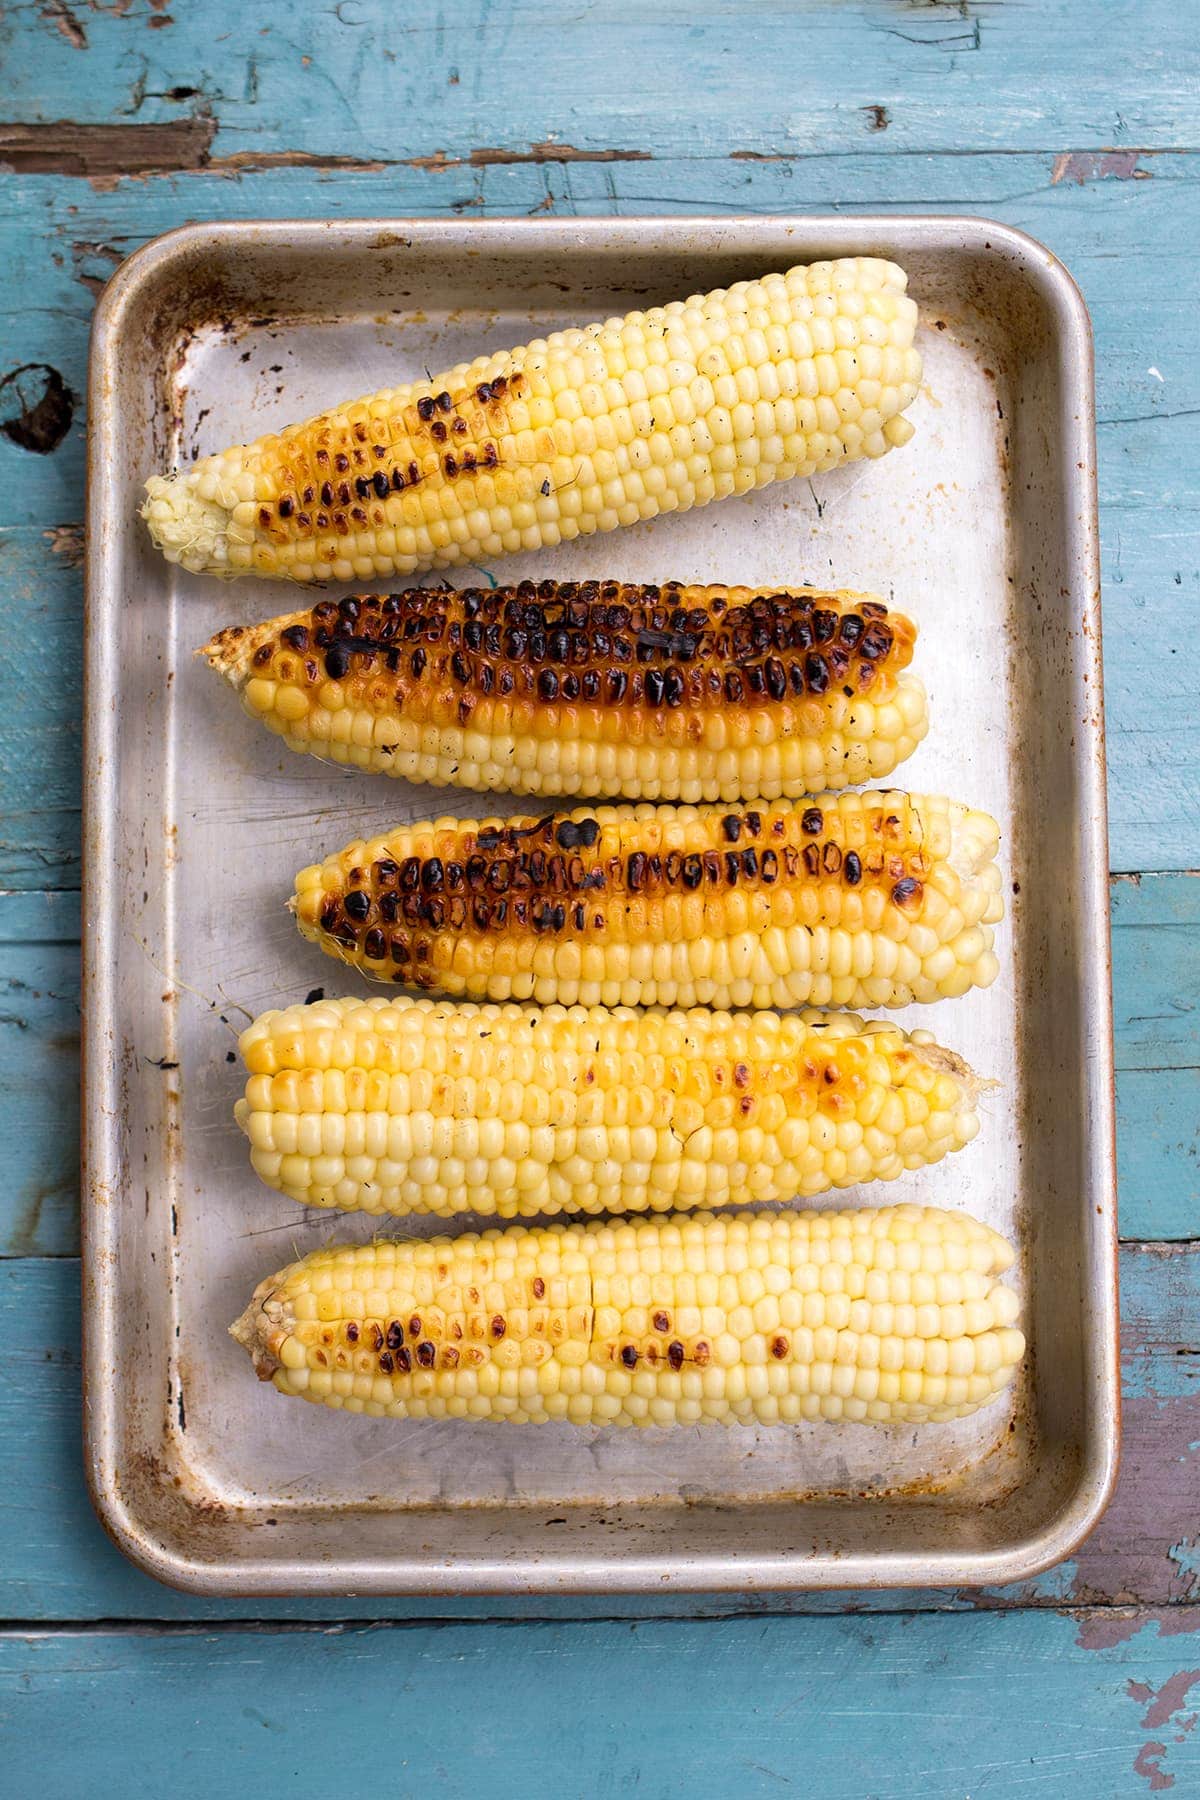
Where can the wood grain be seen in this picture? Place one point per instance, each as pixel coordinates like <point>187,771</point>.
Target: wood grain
<point>917,1708</point>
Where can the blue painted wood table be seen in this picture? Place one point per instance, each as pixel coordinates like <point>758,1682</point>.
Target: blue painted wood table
<point>124,117</point>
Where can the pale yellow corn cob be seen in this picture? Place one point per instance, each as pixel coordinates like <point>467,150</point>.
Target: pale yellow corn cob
<point>873,899</point>
<point>578,432</point>
<point>395,1105</point>
<point>890,1316</point>
<point>564,687</point>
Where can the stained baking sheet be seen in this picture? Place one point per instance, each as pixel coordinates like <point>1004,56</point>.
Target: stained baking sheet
<point>982,529</point>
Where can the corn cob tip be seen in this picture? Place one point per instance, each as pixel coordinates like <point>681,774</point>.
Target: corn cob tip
<point>255,1332</point>
<point>189,529</point>
<point>231,650</point>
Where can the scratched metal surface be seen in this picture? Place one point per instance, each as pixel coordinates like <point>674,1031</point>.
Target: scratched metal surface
<point>199,346</point>
<point>126,119</point>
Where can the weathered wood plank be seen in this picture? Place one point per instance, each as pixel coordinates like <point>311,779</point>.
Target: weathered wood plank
<point>371,81</point>
<point>1121,237</point>
<point>57,1564</point>
<point>41,707</point>
<point>921,1708</point>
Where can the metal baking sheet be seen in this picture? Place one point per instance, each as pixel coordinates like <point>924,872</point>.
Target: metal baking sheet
<point>983,529</point>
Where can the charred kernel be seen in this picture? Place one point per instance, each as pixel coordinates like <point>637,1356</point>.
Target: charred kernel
<point>749,862</point>
<point>702,1354</point>
<point>498,1326</point>
<point>381,484</point>
<point>618,682</point>
<point>693,872</point>
<point>539,1288</point>
<point>403,1361</point>
<point>769,870</point>
<point>362,486</point>
<point>443,402</point>
<point>385,1362</point>
<point>812,859</point>
<point>654,686</point>
<point>394,1336</point>
<point>824,625</point>
<point>547,684</point>
<point>326,494</point>
<point>779,1347</point>
<point>433,875</point>
<point>776,676</point>
<point>906,890</point>
<point>296,636</point>
<point>337,661</point>
<point>672,687</point>
<point>875,642</point>
<point>816,673</point>
<point>414,1326</point>
<point>410,873</point>
<point>438,431</point>
<point>734,691</point>
<point>286,508</point>
<point>375,945</point>
<point>852,868</point>
<point>812,821</point>
<point>460,668</point>
<point>357,905</point>
<point>733,867</point>
<point>635,875</point>
<point>351,1332</point>
<point>661,1321</point>
<point>675,1354</point>
<point>376,1338</point>
<point>426,1354</point>
<point>852,629</point>
<point>425,408</point>
<point>629,1356</point>
<point>417,663</point>
<point>731,825</point>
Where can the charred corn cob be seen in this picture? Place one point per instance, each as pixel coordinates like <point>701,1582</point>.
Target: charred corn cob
<point>579,432</point>
<point>414,1106</point>
<point>871,899</point>
<point>658,693</point>
<point>891,1316</point>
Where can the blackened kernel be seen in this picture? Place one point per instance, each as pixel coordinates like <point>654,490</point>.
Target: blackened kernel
<point>824,625</point>
<point>385,1362</point>
<point>443,402</point>
<point>852,868</point>
<point>635,876</point>
<point>547,684</point>
<point>675,1354</point>
<point>812,821</point>
<point>341,462</point>
<point>733,867</point>
<point>770,867</point>
<point>414,1326</point>
<point>779,1347</point>
<point>337,661</point>
<point>425,408</point>
<point>499,1327</point>
<point>731,825</point>
<point>776,676</point>
<point>403,1361</point>
<point>438,431</point>
<point>417,663</point>
<point>394,1335</point>
<point>693,871</point>
<point>816,673</point>
<point>702,1354</point>
<point>426,1354</point>
<point>661,1321</point>
<point>749,862</point>
<point>357,905</point>
<point>375,945</point>
<point>812,858</point>
<point>286,508</point>
<point>381,483</point>
<point>351,1332</point>
<point>296,636</point>
<point>433,875</point>
<point>852,629</point>
<point>906,890</point>
<point>875,642</point>
<point>629,1356</point>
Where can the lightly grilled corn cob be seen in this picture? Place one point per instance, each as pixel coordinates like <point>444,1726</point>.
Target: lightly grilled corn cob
<point>890,1316</point>
<point>392,1105</point>
<point>578,432</point>
<point>874,899</point>
<point>657,693</point>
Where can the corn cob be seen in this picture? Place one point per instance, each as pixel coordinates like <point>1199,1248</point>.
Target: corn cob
<point>579,432</point>
<point>873,899</point>
<point>394,1105</point>
<point>659,693</point>
<point>889,1316</point>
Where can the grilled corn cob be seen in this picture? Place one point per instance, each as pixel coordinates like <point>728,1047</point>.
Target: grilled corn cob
<point>658,693</point>
<point>579,432</point>
<point>394,1105</point>
<point>871,899</point>
<point>892,1316</point>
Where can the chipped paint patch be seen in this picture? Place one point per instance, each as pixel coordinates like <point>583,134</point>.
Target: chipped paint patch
<point>1081,166</point>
